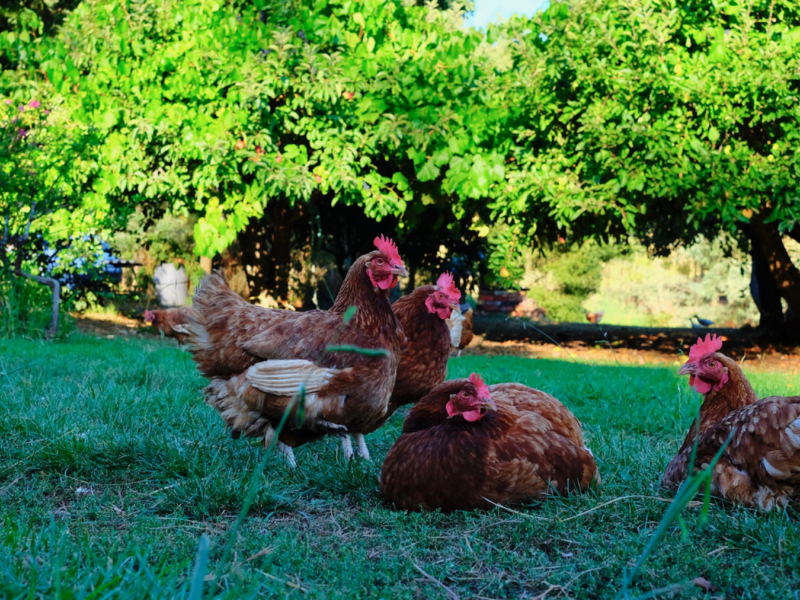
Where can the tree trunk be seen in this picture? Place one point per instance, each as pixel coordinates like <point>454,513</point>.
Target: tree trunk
<point>266,250</point>
<point>764,290</point>
<point>54,285</point>
<point>787,277</point>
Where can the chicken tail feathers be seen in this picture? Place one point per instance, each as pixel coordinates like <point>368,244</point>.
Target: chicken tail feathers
<point>225,395</point>
<point>214,326</point>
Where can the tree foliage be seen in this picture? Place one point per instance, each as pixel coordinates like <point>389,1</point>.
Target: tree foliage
<point>595,118</point>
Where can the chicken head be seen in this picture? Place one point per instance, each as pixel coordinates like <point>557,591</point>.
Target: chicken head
<point>385,265</point>
<point>472,400</point>
<point>706,367</point>
<point>444,300</point>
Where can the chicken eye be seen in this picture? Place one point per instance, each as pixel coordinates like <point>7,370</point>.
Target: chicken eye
<point>379,261</point>
<point>711,364</point>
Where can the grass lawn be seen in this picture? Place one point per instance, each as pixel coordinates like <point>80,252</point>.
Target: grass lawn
<point>112,468</point>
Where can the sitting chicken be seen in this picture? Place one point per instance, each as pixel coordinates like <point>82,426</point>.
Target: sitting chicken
<point>257,358</point>
<point>467,445</point>
<point>761,465</point>
<point>170,321</point>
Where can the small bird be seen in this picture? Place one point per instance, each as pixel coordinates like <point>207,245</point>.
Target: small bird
<point>594,317</point>
<point>704,322</point>
<point>760,467</point>
<point>467,445</point>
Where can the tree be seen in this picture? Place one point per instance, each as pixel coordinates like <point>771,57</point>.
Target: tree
<point>43,166</point>
<point>243,116</point>
<point>660,119</point>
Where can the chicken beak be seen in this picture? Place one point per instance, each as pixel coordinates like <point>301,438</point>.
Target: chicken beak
<point>690,368</point>
<point>489,404</point>
<point>399,271</point>
<point>455,308</point>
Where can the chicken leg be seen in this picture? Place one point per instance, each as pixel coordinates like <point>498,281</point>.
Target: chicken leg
<point>363,451</point>
<point>347,447</point>
<point>288,454</point>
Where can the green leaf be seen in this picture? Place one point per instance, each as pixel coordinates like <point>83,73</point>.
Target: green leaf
<point>428,172</point>
<point>401,181</point>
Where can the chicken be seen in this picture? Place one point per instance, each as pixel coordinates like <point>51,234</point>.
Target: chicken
<point>257,358</point>
<point>424,315</point>
<point>760,467</point>
<point>170,321</point>
<point>465,316</point>
<point>594,317</point>
<point>467,445</point>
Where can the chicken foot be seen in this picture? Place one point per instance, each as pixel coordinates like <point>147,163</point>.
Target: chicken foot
<point>288,454</point>
<point>286,451</point>
<point>347,446</point>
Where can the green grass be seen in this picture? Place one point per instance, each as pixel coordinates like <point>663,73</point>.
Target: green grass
<point>112,468</point>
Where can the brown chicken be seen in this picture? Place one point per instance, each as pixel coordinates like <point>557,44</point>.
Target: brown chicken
<point>257,358</point>
<point>466,446</point>
<point>761,466</point>
<point>170,321</point>
<point>424,314</point>
<point>595,317</point>
<point>461,321</point>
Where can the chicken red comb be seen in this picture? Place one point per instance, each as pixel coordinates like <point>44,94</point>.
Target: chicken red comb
<point>483,389</point>
<point>388,247</point>
<point>149,316</point>
<point>446,284</point>
<point>712,343</point>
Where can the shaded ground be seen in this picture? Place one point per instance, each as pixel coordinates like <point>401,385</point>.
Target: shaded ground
<point>622,343</point>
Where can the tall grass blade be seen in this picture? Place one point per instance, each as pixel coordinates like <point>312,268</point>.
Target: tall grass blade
<point>685,494</point>
<point>199,573</point>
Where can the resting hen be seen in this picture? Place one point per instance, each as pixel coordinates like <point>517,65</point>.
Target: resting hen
<point>424,314</point>
<point>467,445</point>
<point>170,321</point>
<point>760,468</point>
<point>257,358</point>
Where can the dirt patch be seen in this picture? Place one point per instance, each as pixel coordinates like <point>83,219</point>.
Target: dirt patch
<point>110,326</point>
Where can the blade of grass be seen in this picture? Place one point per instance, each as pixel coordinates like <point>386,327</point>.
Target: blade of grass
<point>199,573</point>
<point>686,492</point>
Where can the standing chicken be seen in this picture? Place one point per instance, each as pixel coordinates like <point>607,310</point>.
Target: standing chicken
<point>466,446</point>
<point>424,314</point>
<point>257,358</point>
<point>170,321</point>
<point>761,465</point>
